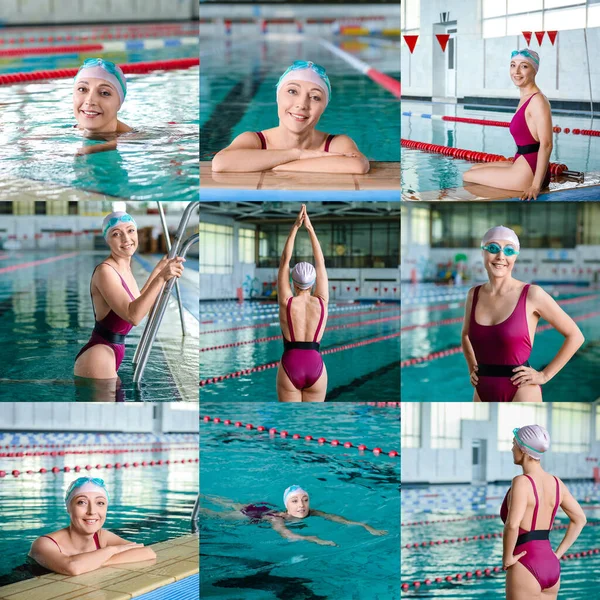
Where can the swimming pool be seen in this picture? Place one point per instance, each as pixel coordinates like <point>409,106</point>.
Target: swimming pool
<point>46,317</point>
<point>432,325</point>
<point>360,349</point>
<point>244,560</point>
<point>424,173</point>
<point>39,147</point>
<point>149,504</point>
<point>431,513</point>
<point>237,91</point>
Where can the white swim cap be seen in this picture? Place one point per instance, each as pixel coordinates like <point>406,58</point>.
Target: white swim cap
<point>292,491</point>
<point>304,275</point>
<point>113,219</point>
<point>533,440</point>
<point>501,233</point>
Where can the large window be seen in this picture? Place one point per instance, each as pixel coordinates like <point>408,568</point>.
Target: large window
<point>511,17</point>
<point>571,427</point>
<point>518,415</point>
<point>216,249</point>
<point>411,16</point>
<point>410,424</point>
<point>246,239</point>
<point>598,422</point>
<point>446,421</point>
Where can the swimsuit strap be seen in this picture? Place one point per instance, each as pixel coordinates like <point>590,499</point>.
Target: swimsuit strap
<point>556,503</point>
<point>474,304</point>
<point>328,141</point>
<point>47,536</point>
<point>528,101</point>
<point>320,320</point>
<point>123,283</point>
<point>535,510</point>
<point>289,318</point>
<point>97,540</point>
<point>263,140</point>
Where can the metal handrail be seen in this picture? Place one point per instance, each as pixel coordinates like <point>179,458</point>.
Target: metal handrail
<point>152,327</point>
<point>195,513</point>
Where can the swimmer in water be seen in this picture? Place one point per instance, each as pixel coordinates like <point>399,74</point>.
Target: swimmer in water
<point>303,93</point>
<point>118,303</point>
<point>297,508</point>
<point>528,512</point>
<point>531,128</point>
<point>501,317</point>
<point>84,546</point>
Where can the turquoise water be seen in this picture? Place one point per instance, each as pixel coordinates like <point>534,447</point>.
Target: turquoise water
<point>148,504</point>
<point>578,577</point>
<point>369,372</point>
<point>46,317</point>
<point>251,561</point>
<point>237,92</point>
<point>424,171</point>
<point>578,380</point>
<point>158,161</point>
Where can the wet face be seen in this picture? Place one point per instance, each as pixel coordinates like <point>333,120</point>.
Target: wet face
<point>298,505</point>
<point>88,512</point>
<point>499,265</point>
<point>95,105</point>
<point>522,72</point>
<point>123,239</point>
<point>300,105</point>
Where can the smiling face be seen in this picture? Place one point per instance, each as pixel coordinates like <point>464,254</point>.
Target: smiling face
<point>123,239</point>
<point>300,105</point>
<point>298,505</point>
<point>95,104</point>
<point>499,265</point>
<point>88,512</point>
<point>522,72</point>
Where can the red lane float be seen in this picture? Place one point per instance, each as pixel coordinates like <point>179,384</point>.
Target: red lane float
<point>51,50</point>
<point>442,521</point>
<point>129,68</point>
<point>113,451</point>
<point>99,445</point>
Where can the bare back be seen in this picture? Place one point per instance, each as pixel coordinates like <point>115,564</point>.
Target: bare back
<point>305,313</point>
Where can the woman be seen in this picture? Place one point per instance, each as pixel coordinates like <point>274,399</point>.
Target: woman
<point>303,92</point>
<point>98,92</point>
<point>297,507</point>
<point>532,567</point>
<point>117,302</point>
<point>301,375</point>
<point>531,128</point>
<point>501,317</point>
<point>84,546</point>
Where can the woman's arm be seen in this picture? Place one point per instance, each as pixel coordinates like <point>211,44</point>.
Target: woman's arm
<point>284,291</point>
<point>283,531</point>
<point>344,521</point>
<point>134,555</point>
<point>160,265</point>
<point>517,505</point>
<point>577,520</point>
<point>467,348</point>
<point>548,309</point>
<point>322,282</point>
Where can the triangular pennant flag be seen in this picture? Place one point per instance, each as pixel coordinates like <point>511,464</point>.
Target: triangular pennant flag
<point>527,36</point>
<point>411,41</point>
<point>552,36</point>
<point>443,38</point>
<point>540,36</point>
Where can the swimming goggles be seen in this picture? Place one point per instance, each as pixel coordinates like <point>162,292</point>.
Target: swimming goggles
<point>109,67</point>
<point>525,53</point>
<point>299,65</point>
<point>112,222</point>
<point>494,248</point>
<point>81,481</point>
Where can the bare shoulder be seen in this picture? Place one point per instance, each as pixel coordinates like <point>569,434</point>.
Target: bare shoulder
<point>538,295</point>
<point>248,140</point>
<point>342,143</point>
<point>540,102</point>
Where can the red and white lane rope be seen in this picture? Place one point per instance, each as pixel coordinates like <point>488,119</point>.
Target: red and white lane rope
<point>297,436</point>
<point>20,454</point>
<point>92,444</point>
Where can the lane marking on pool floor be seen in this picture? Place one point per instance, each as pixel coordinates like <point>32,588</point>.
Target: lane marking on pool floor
<point>35,263</point>
<point>272,365</point>
<point>297,436</point>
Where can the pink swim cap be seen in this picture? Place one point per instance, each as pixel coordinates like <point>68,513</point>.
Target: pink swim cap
<point>533,440</point>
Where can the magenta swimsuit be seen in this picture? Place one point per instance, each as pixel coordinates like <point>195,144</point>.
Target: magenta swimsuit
<point>263,140</point>
<point>540,560</point>
<point>111,330</point>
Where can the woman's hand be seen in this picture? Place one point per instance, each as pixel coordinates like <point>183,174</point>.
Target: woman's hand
<point>172,268</point>
<point>125,547</point>
<point>160,265</point>
<point>374,531</point>
<point>300,217</point>
<point>474,378</point>
<point>528,376</point>
<point>532,193</point>
<point>307,222</point>
<point>316,540</point>
<point>512,559</point>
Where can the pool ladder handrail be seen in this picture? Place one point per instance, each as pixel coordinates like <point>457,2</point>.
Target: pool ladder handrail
<point>142,352</point>
<point>195,514</point>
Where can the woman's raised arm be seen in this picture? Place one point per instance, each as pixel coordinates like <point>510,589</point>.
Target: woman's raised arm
<point>284,291</point>
<point>322,283</point>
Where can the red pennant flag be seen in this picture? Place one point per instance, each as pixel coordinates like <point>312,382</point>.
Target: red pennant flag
<point>527,36</point>
<point>552,36</point>
<point>443,38</point>
<point>411,41</point>
<point>540,36</point>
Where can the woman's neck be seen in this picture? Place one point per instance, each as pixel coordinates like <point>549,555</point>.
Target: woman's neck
<point>532,467</point>
<point>123,263</point>
<point>529,90</point>
<point>501,285</point>
<point>287,139</point>
<point>80,541</point>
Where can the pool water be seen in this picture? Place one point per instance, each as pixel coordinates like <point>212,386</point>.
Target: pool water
<point>577,382</point>
<point>244,560</point>
<point>237,92</point>
<point>443,503</point>
<point>424,171</point>
<point>158,161</point>
<point>148,504</point>
<point>46,317</point>
<point>365,372</point>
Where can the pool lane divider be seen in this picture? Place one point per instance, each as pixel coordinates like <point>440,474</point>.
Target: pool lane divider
<point>219,378</point>
<point>385,81</point>
<point>35,263</point>
<point>117,465</point>
<point>273,338</point>
<point>20,454</point>
<point>127,68</point>
<point>273,433</point>
<point>84,445</point>
<point>477,573</point>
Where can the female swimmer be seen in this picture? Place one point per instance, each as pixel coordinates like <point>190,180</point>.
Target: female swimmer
<point>84,546</point>
<point>501,317</point>
<point>531,128</point>
<point>303,92</point>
